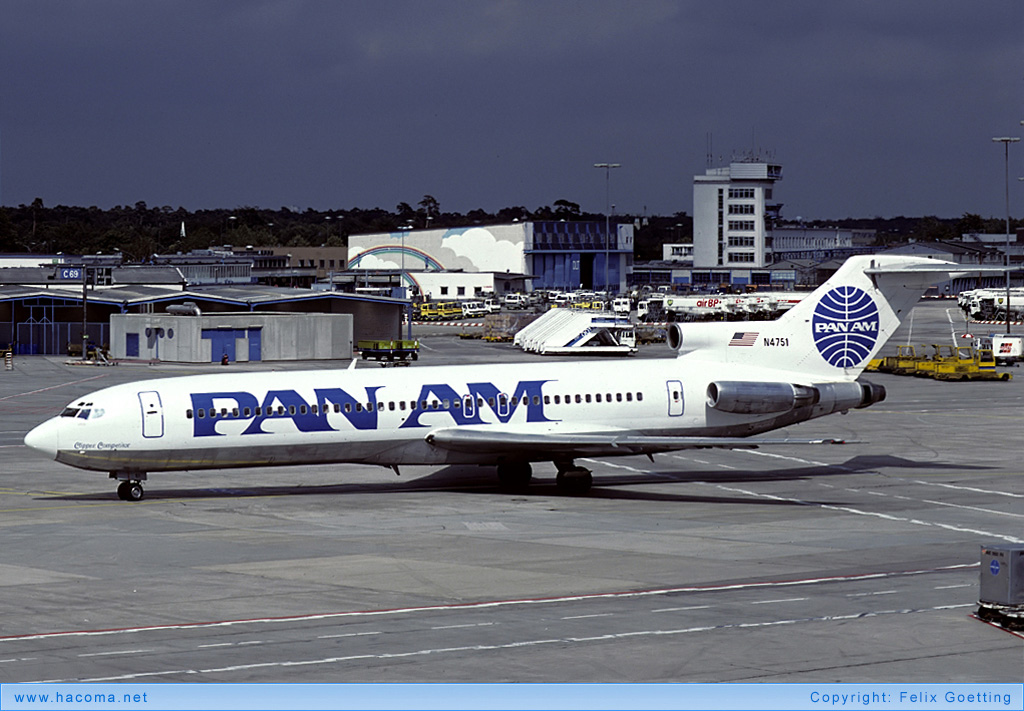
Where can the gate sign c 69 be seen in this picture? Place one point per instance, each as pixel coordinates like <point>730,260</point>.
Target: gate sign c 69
<point>70,273</point>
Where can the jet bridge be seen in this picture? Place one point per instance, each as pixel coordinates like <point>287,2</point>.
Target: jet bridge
<point>563,331</point>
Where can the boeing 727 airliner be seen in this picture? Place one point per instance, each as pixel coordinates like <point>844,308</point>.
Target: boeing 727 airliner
<point>724,386</point>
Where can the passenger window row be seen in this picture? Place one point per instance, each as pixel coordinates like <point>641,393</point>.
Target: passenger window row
<point>502,401</point>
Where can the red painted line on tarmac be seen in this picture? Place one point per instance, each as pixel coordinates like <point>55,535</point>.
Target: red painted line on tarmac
<point>483,605</point>
<point>1015,633</point>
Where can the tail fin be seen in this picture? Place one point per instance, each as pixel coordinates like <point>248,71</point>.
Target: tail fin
<point>833,332</point>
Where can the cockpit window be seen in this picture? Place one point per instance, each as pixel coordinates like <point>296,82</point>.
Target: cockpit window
<point>83,411</point>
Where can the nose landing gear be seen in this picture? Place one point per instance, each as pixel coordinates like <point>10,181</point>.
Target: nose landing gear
<point>130,488</point>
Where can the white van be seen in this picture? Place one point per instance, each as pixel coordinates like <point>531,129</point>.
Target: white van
<point>515,301</point>
<point>473,309</point>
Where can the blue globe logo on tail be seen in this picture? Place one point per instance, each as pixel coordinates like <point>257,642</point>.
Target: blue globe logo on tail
<point>845,326</point>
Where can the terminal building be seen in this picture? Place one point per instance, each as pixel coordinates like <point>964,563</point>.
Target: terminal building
<point>44,310</point>
<point>534,254</point>
<point>231,337</point>
<point>797,242</point>
<point>271,266</point>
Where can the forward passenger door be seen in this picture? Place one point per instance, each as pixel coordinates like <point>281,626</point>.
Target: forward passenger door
<point>152,414</point>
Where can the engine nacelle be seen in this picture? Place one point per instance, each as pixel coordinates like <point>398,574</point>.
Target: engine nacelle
<point>872,394</point>
<point>753,398</point>
<point>695,336</point>
<point>674,336</point>
<point>836,397</point>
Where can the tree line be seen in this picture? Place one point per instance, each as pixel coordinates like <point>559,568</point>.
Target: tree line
<point>140,231</point>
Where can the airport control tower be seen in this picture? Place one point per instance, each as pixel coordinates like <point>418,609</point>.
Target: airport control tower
<point>733,213</point>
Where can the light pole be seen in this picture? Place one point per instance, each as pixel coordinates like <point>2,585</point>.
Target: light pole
<point>85,311</point>
<point>408,300</point>
<point>607,206</point>
<point>1006,141</point>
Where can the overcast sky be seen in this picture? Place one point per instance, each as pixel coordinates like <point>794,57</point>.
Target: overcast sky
<point>872,108</point>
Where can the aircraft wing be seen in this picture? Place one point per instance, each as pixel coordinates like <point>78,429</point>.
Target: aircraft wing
<point>540,446</point>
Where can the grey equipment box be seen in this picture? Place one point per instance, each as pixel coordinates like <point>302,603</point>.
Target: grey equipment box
<point>1002,575</point>
<point>1001,598</point>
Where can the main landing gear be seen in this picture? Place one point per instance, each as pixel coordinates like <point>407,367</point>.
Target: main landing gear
<point>571,479</point>
<point>130,488</point>
<point>514,477</point>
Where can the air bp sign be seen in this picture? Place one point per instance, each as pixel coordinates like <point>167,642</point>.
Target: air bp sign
<point>845,326</point>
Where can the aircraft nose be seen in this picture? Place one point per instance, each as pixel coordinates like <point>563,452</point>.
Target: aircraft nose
<point>45,438</point>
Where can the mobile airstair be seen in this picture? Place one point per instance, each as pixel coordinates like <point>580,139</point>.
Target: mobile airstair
<point>568,331</point>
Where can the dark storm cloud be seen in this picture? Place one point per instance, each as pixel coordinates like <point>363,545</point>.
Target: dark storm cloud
<point>871,107</point>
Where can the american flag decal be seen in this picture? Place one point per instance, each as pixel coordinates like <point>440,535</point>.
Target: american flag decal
<point>744,338</point>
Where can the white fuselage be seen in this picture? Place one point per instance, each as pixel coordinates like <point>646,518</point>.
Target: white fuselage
<point>383,416</point>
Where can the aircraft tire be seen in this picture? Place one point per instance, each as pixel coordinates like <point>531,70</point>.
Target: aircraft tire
<point>122,490</point>
<point>133,491</point>
<point>514,476</point>
<point>574,482</point>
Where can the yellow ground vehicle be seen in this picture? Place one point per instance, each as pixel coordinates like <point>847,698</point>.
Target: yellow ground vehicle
<point>450,310</point>
<point>926,367</point>
<point>907,358</point>
<point>904,362</point>
<point>954,363</point>
<point>429,312</point>
<point>389,350</point>
<point>985,358</point>
<point>947,362</point>
<point>962,363</point>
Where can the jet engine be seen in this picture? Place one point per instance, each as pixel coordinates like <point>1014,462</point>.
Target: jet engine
<point>755,398</point>
<point>872,393</point>
<point>697,336</point>
<point>752,398</point>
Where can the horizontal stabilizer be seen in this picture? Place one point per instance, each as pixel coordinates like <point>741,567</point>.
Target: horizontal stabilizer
<point>939,268</point>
